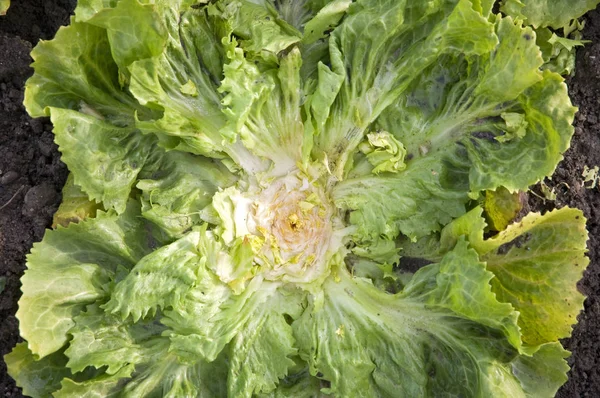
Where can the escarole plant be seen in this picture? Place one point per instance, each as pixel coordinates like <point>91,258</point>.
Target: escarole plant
<point>253,182</point>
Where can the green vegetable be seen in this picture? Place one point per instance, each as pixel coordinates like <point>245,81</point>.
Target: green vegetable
<point>264,169</point>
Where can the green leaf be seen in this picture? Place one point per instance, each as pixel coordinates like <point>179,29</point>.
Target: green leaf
<point>77,84</point>
<point>189,88</point>
<point>295,12</point>
<point>412,202</point>
<point>76,71</point>
<point>166,376</point>
<point>559,52</point>
<point>86,9</point>
<point>159,280</point>
<point>484,6</point>
<point>549,115</point>
<point>327,18</point>
<point>159,375</point>
<point>4,6</point>
<point>553,13</point>
<point>463,96</point>
<point>261,31</point>
<point>516,51</point>
<point>133,31</point>
<point>75,205</point>
<point>537,263</point>
<point>300,385</point>
<point>384,152</point>
<point>444,334</point>
<point>544,372</point>
<point>100,339</point>
<point>105,160</point>
<point>263,107</point>
<point>210,316</point>
<point>396,41</point>
<point>135,361</point>
<point>456,108</point>
<point>103,386</point>
<point>53,296</point>
<point>37,378</point>
<point>177,186</point>
<point>71,268</point>
<point>501,207</point>
<point>260,353</point>
<point>192,53</point>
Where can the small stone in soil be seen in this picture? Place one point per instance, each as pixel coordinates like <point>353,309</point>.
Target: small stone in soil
<point>9,177</point>
<point>37,125</point>
<point>37,197</point>
<point>45,144</point>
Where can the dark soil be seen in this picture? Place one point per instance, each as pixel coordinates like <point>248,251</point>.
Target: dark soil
<point>31,177</point>
<point>31,173</point>
<point>584,88</point>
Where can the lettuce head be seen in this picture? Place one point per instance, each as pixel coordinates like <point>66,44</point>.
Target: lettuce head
<point>280,198</point>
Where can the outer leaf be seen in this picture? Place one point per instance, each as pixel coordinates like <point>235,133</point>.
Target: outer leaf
<point>429,125</point>
<point>387,55</point>
<point>501,207</point>
<point>192,53</point>
<point>136,361</point>
<point>105,386</point>
<point>36,378</point>
<point>4,5</point>
<point>540,13</point>
<point>209,317</point>
<point>444,335</point>
<point>541,149</point>
<point>559,52</point>
<point>77,84</point>
<point>166,376</point>
<point>133,31</point>
<point>86,9</point>
<point>105,160</point>
<point>99,339</point>
<point>546,364</point>
<point>536,262</point>
<point>160,375</point>
<point>52,297</point>
<point>260,353</point>
<point>461,100</point>
<point>75,205</point>
<point>516,51</point>
<point>70,268</point>
<point>301,385</point>
<point>294,12</point>
<point>75,71</point>
<point>159,280</point>
<point>484,6</point>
